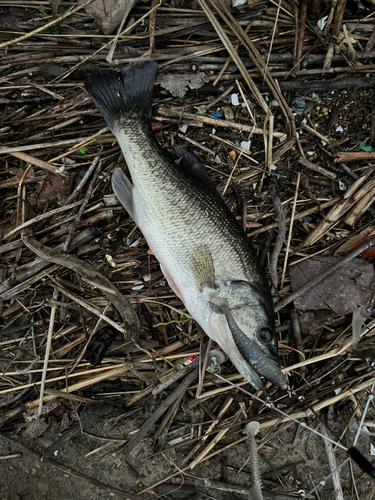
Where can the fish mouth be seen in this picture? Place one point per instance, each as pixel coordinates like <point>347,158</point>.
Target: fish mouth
<point>264,363</point>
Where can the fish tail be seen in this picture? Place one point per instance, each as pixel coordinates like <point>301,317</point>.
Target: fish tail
<point>117,93</point>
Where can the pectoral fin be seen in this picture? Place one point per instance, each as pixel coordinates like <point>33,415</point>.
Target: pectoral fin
<point>202,266</point>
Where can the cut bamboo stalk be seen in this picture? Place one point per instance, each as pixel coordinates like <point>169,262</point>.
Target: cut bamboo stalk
<point>84,383</point>
<point>349,198</point>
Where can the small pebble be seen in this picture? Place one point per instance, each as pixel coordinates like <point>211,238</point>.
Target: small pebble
<point>228,113</point>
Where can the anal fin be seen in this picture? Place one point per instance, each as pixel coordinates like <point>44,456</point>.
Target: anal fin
<point>123,189</point>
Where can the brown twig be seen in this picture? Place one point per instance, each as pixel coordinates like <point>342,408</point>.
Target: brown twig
<point>66,14</point>
<point>339,14</point>
<point>93,276</point>
<point>47,353</point>
<point>272,188</point>
<point>160,410</point>
<point>96,171</point>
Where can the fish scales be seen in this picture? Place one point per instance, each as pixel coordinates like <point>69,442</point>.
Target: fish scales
<point>194,213</point>
<point>202,250</point>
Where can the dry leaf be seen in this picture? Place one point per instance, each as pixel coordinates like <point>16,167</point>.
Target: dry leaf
<point>109,13</point>
<point>178,85</point>
<point>20,172</point>
<point>9,224</point>
<point>311,322</point>
<point>351,286</point>
<point>53,190</point>
<point>56,416</point>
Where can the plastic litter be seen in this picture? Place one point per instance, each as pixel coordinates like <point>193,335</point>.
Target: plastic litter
<point>234,100</point>
<point>365,147</point>
<point>246,145</point>
<point>138,286</point>
<point>322,22</point>
<point>298,106</point>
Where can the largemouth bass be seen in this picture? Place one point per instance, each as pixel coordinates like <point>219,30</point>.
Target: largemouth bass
<point>202,250</point>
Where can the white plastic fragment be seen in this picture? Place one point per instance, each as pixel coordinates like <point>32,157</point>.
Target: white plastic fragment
<point>310,153</point>
<point>184,128</point>
<point>275,103</point>
<point>322,22</point>
<point>238,3</point>
<point>67,161</point>
<point>246,145</point>
<point>213,131</point>
<point>273,167</point>
<point>138,286</point>
<point>324,142</point>
<point>146,278</point>
<point>339,129</point>
<point>217,160</point>
<point>342,186</point>
<point>234,99</point>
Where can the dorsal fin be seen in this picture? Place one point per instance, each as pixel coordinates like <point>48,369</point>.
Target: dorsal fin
<point>191,165</point>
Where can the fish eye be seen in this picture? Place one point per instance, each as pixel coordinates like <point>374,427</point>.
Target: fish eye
<point>265,335</point>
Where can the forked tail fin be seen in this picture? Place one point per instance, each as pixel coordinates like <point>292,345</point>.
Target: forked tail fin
<point>116,94</point>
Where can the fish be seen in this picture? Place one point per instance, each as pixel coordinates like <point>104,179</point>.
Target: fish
<point>202,250</point>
